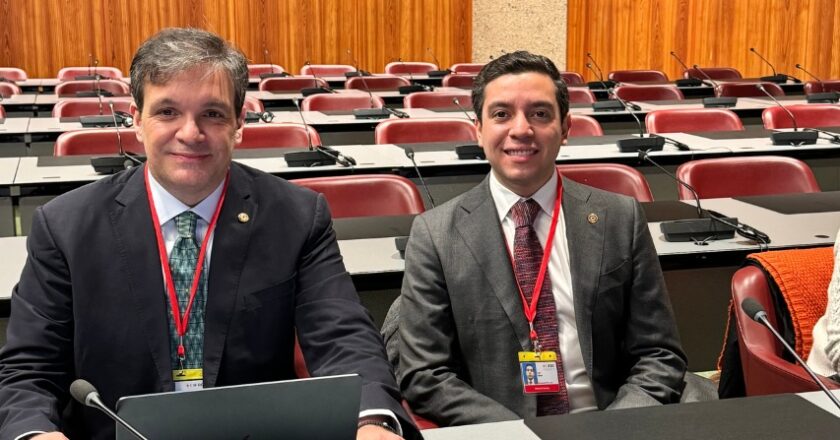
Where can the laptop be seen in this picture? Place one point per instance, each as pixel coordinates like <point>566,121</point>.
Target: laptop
<point>316,408</point>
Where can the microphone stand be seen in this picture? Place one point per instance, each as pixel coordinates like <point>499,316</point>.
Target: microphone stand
<point>470,150</point>
<point>716,101</point>
<point>795,137</point>
<point>686,82</point>
<point>827,97</point>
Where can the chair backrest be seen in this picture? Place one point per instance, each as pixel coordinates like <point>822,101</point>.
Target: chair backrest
<point>405,67</point>
<point>572,78</point>
<point>255,70</point>
<point>692,120</point>
<point>471,68</point>
<point>612,177</point>
<point>13,74</point>
<point>70,73</point>
<point>413,130</point>
<point>637,75</point>
<point>464,81</point>
<point>326,69</point>
<point>340,101</point>
<point>115,86</point>
<point>376,83</point>
<point>253,104</point>
<point>664,92</point>
<point>746,176</point>
<point>284,135</point>
<point>9,89</point>
<point>581,95</point>
<point>807,116</point>
<point>810,86</point>
<point>97,141</point>
<point>2,112</point>
<point>716,73</point>
<point>583,125</point>
<point>746,90</point>
<point>364,195</point>
<point>291,84</point>
<point>73,107</point>
<point>438,100</point>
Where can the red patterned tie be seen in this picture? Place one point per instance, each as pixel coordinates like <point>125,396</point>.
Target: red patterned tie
<point>527,256</point>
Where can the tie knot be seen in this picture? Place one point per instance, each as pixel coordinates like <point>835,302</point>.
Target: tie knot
<point>524,212</point>
<point>185,222</point>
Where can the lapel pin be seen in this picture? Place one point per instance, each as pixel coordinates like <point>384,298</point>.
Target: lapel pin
<point>592,218</point>
<point>243,218</point>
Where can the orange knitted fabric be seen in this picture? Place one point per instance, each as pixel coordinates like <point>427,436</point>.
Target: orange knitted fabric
<point>802,276</point>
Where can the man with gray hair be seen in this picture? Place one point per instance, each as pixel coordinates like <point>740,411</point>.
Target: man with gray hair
<point>119,289</point>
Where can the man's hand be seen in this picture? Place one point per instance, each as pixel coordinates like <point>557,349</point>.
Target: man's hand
<point>49,436</point>
<point>373,432</point>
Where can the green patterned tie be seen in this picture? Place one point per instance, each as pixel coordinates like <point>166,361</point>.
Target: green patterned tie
<point>182,262</point>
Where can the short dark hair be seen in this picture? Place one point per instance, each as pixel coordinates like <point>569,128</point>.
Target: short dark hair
<point>173,51</point>
<point>520,61</point>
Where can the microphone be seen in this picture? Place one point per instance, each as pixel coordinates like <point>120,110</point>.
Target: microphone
<point>409,153</point>
<point>272,73</point>
<point>358,72</point>
<point>686,82</point>
<point>252,117</point>
<point>470,150</point>
<point>716,101</point>
<point>316,155</point>
<point>631,145</point>
<point>315,89</point>
<point>124,160</point>
<point>86,394</point>
<point>601,83</point>
<point>436,73</point>
<point>609,104</point>
<point>780,78</point>
<point>828,97</point>
<point>414,87</point>
<point>373,112</point>
<point>756,312</point>
<point>795,137</point>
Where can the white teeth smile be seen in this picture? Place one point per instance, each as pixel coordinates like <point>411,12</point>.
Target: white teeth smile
<point>520,152</point>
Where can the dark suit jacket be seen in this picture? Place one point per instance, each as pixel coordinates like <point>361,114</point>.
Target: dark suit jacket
<point>462,321</point>
<point>91,303</point>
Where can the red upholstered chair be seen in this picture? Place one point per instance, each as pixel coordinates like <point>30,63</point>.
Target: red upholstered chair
<point>413,67</point>
<point>255,70</point>
<point>367,195</point>
<point>581,95</point>
<point>638,75</point>
<point>326,69</point>
<point>458,80</point>
<point>2,112</point>
<point>583,125</point>
<point>13,74</point>
<point>765,370</point>
<point>376,83</point>
<point>411,131</point>
<point>285,135</point>
<point>572,78</point>
<point>612,177</point>
<point>438,100</point>
<point>291,84</point>
<point>9,89</point>
<point>807,115</point>
<point>692,120</point>
<point>341,101</point>
<point>810,86</point>
<point>664,92</point>
<point>253,104</point>
<point>746,176</point>
<point>73,107</point>
<point>745,90</point>
<point>715,73</point>
<point>470,68</point>
<point>115,86</point>
<point>97,141</point>
<point>70,73</point>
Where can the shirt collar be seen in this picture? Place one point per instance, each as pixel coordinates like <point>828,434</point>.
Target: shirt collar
<point>505,198</point>
<point>168,207</point>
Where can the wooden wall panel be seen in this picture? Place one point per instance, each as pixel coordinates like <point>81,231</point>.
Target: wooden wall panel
<point>41,36</point>
<point>639,34</point>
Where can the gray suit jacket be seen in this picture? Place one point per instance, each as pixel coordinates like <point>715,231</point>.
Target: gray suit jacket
<point>462,320</point>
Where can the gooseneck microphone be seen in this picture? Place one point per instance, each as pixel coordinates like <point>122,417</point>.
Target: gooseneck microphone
<point>780,78</point>
<point>373,112</point>
<point>415,86</point>
<point>86,394</point>
<point>436,73</point>
<point>358,71</point>
<point>272,73</point>
<point>685,82</point>
<point>409,153</point>
<point>463,110</point>
<point>316,87</point>
<point>824,96</point>
<point>794,137</point>
<point>470,150</point>
<point>715,101</point>
<point>756,312</point>
<point>609,104</point>
<point>601,83</point>
<point>640,143</point>
<point>316,155</point>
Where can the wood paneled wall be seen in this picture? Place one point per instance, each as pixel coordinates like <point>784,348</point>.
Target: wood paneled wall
<point>639,34</point>
<point>41,36</point>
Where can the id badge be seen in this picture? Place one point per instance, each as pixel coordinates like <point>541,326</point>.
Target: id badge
<point>190,379</point>
<point>539,372</point>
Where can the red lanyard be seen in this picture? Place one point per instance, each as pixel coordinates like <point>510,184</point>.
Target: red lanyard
<point>530,309</point>
<point>181,321</point>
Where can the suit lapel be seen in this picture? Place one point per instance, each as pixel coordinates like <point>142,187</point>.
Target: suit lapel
<point>479,226</point>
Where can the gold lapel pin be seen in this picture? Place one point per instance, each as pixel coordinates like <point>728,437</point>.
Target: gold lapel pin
<point>243,218</point>
<point>592,218</point>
